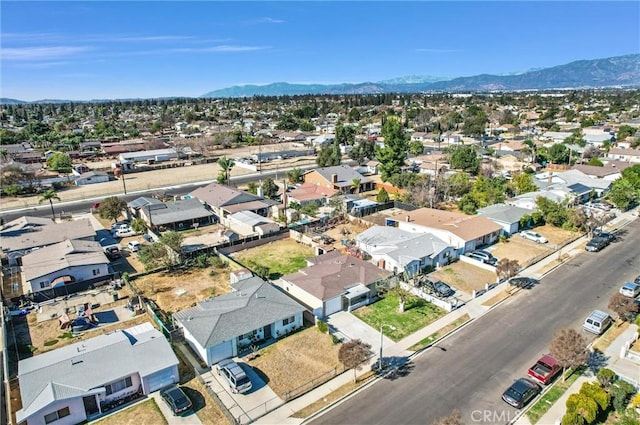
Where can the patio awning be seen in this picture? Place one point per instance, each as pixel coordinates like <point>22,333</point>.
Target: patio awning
<point>62,280</point>
<point>356,291</point>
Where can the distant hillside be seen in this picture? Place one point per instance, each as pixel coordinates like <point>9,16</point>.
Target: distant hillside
<point>8,101</point>
<point>609,72</point>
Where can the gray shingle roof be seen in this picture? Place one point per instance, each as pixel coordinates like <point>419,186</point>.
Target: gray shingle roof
<point>43,235</point>
<point>253,304</point>
<point>217,195</point>
<point>76,369</point>
<point>344,173</point>
<point>188,209</point>
<point>401,245</point>
<point>504,213</point>
<point>65,254</point>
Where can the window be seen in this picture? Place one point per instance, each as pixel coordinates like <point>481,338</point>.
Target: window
<point>54,416</point>
<point>249,335</point>
<point>96,272</point>
<point>44,284</point>
<point>288,320</point>
<point>118,385</point>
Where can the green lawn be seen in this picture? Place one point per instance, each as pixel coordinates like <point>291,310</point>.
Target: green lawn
<point>281,257</point>
<point>550,397</point>
<point>416,316</point>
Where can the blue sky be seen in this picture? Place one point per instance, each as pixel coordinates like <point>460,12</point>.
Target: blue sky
<point>85,50</point>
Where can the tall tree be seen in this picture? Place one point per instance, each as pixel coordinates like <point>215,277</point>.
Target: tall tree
<point>50,195</point>
<point>569,348</point>
<point>329,155</point>
<point>625,307</point>
<point>394,152</point>
<point>464,157</point>
<point>355,185</point>
<point>269,188</point>
<point>225,164</point>
<point>60,162</point>
<point>111,208</point>
<point>523,183</point>
<point>294,175</point>
<point>353,354</point>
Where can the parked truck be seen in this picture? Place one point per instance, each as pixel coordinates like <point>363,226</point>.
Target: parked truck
<point>545,370</point>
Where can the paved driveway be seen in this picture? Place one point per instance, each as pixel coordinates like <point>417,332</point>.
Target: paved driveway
<point>190,419</point>
<point>248,406</point>
<point>353,328</point>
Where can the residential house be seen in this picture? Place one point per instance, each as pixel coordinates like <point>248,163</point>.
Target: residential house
<point>556,136</point>
<point>372,166</point>
<point>464,232</point>
<point>309,192</point>
<point>340,178</point>
<point>507,216</point>
<point>72,384</point>
<point>247,223</point>
<point>399,251</point>
<point>177,215</point>
<point>91,177</point>
<point>559,193</point>
<point>63,263</point>
<point>155,155</point>
<point>221,327</point>
<point>629,155</point>
<point>611,170</point>
<point>599,186</point>
<point>24,234</point>
<point>225,200</point>
<point>334,282</point>
<point>323,140</point>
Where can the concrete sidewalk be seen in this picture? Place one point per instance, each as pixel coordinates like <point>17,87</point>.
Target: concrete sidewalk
<point>399,351</point>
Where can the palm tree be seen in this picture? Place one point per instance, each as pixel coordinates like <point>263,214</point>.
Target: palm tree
<point>355,184</point>
<point>226,165</point>
<point>50,195</point>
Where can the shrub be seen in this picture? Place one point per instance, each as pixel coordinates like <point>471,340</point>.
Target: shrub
<point>50,343</point>
<point>503,238</point>
<point>323,327</point>
<point>212,273</point>
<point>218,262</point>
<point>606,377</point>
<point>202,261</point>
<point>620,393</point>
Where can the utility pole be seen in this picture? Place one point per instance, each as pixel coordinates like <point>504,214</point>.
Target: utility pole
<point>124,185</point>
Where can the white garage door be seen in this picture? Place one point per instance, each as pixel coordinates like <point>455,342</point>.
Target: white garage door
<point>221,352</point>
<point>333,305</point>
<point>160,380</point>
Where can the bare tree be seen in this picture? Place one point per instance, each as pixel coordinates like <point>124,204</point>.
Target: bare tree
<point>507,268</point>
<point>625,307</point>
<point>454,418</point>
<point>353,354</point>
<point>569,348</point>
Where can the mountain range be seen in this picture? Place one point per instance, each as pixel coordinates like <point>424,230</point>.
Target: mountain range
<point>619,71</point>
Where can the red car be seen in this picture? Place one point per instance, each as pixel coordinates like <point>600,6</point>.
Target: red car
<point>545,370</point>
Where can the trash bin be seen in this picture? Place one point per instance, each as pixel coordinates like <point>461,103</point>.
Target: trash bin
<point>115,296</point>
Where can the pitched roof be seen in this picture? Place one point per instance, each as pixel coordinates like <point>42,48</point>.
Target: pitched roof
<point>43,235</point>
<point>65,254</point>
<point>77,368</point>
<point>345,175</point>
<point>504,213</point>
<point>332,275</point>
<point>466,227</point>
<point>187,209</point>
<point>401,245</point>
<point>613,167</point>
<point>250,218</point>
<point>309,190</point>
<point>253,303</point>
<point>24,223</point>
<point>218,195</point>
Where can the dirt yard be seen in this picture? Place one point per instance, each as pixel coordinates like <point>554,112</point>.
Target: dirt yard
<point>555,235</point>
<point>175,291</point>
<point>47,336</point>
<point>520,249</point>
<point>146,412</point>
<point>281,257</point>
<point>309,353</point>
<point>348,230</point>
<point>464,276</point>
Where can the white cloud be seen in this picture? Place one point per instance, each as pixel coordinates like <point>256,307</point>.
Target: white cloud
<point>265,20</point>
<point>427,50</point>
<point>40,53</point>
<point>219,49</point>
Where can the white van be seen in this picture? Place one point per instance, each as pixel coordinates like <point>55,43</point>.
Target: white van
<point>597,322</point>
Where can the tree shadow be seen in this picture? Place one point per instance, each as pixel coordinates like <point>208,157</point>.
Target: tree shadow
<point>399,371</point>
<point>596,361</point>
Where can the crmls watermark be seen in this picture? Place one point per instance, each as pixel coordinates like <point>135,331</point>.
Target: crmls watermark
<point>491,416</point>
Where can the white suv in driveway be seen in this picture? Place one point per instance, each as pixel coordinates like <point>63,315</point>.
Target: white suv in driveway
<point>234,375</point>
<point>533,236</point>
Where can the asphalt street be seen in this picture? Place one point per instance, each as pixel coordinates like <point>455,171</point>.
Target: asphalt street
<point>484,358</point>
<point>84,205</point>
